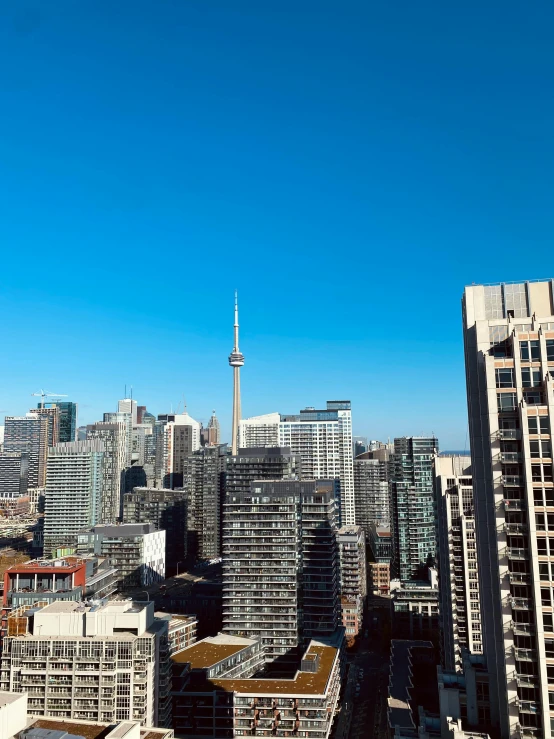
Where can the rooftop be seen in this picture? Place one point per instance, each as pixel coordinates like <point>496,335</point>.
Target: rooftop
<point>67,564</point>
<point>93,730</point>
<point>122,530</point>
<point>210,651</point>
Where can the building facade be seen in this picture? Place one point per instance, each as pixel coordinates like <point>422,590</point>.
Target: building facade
<point>509,356</point>
<point>29,435</point>
<point>14,474</point>
<point>73,494</point>
<point>114,442</point>
<point>413,506</point>
<point>177,436</point>
<point>107,662</point>
<point>167,511</point>
<point>371,489</point>
<point>67,419</point>
<point>353,577</point>
<point>457,547</point>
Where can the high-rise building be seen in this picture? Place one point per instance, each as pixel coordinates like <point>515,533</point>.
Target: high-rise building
<point>136,550</point>
<point>509,356</point>
<point>380,551</point>
<point>67,418</point>
<point>53,416</point>
<point>177,436</point>
<point>460,610</point>
<point>128,405</point>
<point>236,361</point>
<point>353,577</point>
<point>29,434</point>
<point>167,510</point>
<point>204,482</point>
<point>413,506</point>
<point>321,438</point>
<point>14,474</point>
<point>371,489</point>
<point>211,435</point>
<point>114,441</point>
<point>280,563</point>
<point>105,662</point>
<point>74,488</point>
<point>127,420</point>
<point>264,463</point>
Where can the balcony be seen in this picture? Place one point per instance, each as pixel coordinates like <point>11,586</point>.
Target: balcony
<point>509,481</point>
<point>521,603</point>
<point>519,578</point>
<point>517,553</point>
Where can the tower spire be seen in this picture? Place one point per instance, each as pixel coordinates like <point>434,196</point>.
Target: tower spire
<point>236,360</point>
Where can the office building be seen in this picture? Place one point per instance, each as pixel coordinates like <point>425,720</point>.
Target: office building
<point>29,435</point>
<point>371,489</point>
<point>509,355</point>
<point>280,563</point>
<point>176,436</point>
<point>103,662</point>
<point>204,483</point>
<point>211,435</point>
<point>321,438</point>
<point>215,694</point>
<point>128,405</point>
<point>353,577</point>
<point>114,442</point>
<point>413,506</point>
<point>457,549</point>
<point>136,550</point>
<point>67,419</point>
<point>14,474</point>
<point>166,510</point>
<point>73,494</point>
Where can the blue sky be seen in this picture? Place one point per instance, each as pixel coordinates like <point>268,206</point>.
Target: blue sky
<point>347,166</point>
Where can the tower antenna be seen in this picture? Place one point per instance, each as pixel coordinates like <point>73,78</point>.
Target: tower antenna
<point>236,361</point>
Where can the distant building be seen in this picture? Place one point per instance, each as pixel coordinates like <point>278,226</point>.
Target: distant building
<point>128,405</point>
<point>114,442</point>
<point>14,474</point>
<point>413,506</point>
<point>137,551</point>
<point>263,463</point>
<point>166,510</point>
<point>74,488</point>
<point>353,577</point>
<point>29,435</point>
<point>177,436</point>
<point>67,419</point>
<point>380,550</point>
<point>211,435</point>
<point>415,608</point>
<point>371,489</point>
<point>204,483</point>
<point>107,662</point>
<point>52,414</point>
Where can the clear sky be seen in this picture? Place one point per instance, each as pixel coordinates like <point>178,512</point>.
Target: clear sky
<point>348,166</point>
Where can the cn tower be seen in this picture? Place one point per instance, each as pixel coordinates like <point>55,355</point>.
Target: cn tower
<point>236,360</point>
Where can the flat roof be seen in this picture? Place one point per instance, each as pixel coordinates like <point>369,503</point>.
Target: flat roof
<point>69,564</point>
<point>7,697</point>
<point>87,730</point>
<point>303,683</point>
<point>210,651</point>
<point>400,683</point>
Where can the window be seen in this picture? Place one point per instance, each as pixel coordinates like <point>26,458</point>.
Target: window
<point>550,350</point>
<point>530,377</point>
<point>506,401</point>
<point>505,377</point>
<point>529,351</point>
<point>547,621</point>
<point>533,397</point>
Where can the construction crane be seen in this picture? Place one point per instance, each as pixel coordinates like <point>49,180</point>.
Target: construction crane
<point>43,395</point>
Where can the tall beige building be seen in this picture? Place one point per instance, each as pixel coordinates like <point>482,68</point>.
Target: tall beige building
<point>509,354</point>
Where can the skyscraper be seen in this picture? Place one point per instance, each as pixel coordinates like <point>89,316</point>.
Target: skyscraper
<point>113,437</point>
<point>74,486</point>
<point>266,463</point>
<point>460,610</point>
<point>236,361</point>
<point>509,356</point>
<point>53,416</point>
<point>280,563</point>
<point>14,474</point>
<point>322,439</point>
<point>211,435</point>
<point>413,507</point>
<point>67,419</point>
<point>176,436</point>
<point>371,489</point>
<point>128,405</point>
<point>29,434</point>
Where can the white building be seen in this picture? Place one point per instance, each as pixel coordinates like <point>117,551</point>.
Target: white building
<point>107,662</point>
<point>509,356</point>
<point>74,487</point>
<point>460,610</point>
<point>13,713</point>
<point>322,439</point>
<point>128,405</point>
<point>177,436</point>
<point>137,550</point>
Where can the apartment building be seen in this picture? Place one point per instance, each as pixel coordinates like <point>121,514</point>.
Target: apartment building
<point>137,551</point>
<point>415,608</point>
<point>413,506</point>
<point>106,662</point>
<point>353,577</point>
<point>509,355</point>
<point>29,435</point>
<point>114,442</point>
<point>459,583</point>
<point>322,439</point>
<point>214,694</point>
<point>74,489</point>
<point>14,474</point>
<point>280,563</point>
<point>371,489</point>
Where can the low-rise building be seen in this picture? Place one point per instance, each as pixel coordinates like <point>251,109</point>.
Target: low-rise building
<point>214,694</point>
<point>415,608</point>
<point>379,578</point>
<point>13,713</point>
<point>181,631</point>
<point>136,550</point>
<point>45,728</point>
<point>106,662</point>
